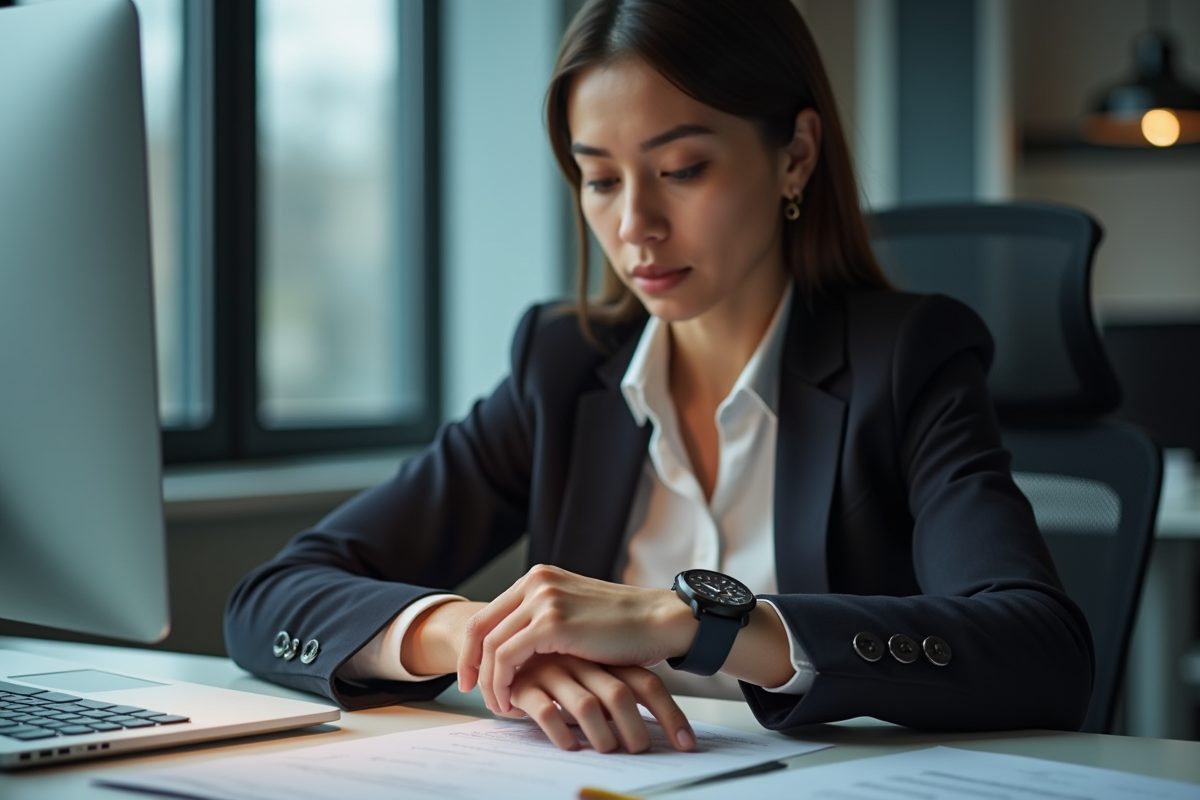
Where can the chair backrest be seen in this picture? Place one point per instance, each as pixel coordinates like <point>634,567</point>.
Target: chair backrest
<point>1094,485</point>
<point>1026,270</point>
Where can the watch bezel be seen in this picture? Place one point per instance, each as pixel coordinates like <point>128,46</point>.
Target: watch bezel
<point>702,603</point>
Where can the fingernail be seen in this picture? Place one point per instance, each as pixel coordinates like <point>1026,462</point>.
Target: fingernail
<point>686,739</point>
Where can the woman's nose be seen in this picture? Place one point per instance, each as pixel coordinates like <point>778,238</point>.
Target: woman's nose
<point>641,219</point>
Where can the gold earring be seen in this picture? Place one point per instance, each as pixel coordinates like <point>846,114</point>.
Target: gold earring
<point>791,211</point>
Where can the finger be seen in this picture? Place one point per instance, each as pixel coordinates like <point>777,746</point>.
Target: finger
<point>620,704</point>
<point>483,622</point>
<point>517,713</point>
<point>542,710</point>
<point>501,666</point>
<point>478,627</point>
<point>649,690</point>
<point>584,706</point>
<point>509,629</point>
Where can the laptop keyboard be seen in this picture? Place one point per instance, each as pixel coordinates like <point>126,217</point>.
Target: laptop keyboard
<point>28,713</point>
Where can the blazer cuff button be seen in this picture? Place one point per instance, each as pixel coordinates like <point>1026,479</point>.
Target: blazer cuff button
<point>903,649</point>
<point>936,651</point>
<point>868,646</point>
<point>283,641</point>
<point>311,648</point>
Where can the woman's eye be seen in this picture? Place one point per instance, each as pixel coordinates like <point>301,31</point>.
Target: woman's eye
<point>601,184</point>
<point>687,173</point>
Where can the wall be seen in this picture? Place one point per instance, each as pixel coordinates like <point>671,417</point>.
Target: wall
<point>1148,266</point>
<point>502,202</point>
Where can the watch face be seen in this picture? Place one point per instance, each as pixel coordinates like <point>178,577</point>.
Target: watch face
<point>718,588</point>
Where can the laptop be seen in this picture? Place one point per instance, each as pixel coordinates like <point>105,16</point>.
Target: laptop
<point>53,710</point>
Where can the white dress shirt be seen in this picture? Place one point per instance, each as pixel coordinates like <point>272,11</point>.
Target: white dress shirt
<point>671,526</point>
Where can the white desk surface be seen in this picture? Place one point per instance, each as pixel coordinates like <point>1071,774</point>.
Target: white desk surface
<point>858,739</point>
<point>1179,506</point>
<point>1179,514</point>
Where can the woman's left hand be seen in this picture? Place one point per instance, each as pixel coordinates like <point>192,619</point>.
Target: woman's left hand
<point>556,690</point>
<point>550,610</point>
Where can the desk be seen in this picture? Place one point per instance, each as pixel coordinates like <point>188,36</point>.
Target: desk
<point>858,739</point>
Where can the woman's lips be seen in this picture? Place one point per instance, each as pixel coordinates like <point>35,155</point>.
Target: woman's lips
<point>653,279</point>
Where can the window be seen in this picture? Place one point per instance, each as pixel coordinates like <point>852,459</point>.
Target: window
<point>178,159</point>
<point>293,223</point>
<point>293,220</point>
<point>339,314</point>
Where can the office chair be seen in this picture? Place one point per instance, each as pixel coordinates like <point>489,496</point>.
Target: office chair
<point>1093,483</point>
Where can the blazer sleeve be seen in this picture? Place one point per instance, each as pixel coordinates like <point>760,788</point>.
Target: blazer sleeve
<point>445,514</point>
<point>1021,649</point>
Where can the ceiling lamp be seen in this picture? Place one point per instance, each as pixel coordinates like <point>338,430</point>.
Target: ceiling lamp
<point>1155,109</point>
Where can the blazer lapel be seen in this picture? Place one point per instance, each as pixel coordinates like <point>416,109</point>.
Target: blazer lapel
<point>808,445</point>
<point>608,449</point>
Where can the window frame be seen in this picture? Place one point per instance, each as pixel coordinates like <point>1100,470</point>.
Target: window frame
<point>233,431</point>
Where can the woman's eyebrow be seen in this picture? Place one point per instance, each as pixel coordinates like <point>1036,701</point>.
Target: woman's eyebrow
<point>678,132</point>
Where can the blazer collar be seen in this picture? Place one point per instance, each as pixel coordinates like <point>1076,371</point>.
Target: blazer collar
<point>608,450</point>
<point>613,369</point>
<point>808,443</point>
<point>815,347</point>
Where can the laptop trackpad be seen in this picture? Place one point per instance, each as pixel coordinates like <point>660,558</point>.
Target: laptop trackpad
<point>84,681</point>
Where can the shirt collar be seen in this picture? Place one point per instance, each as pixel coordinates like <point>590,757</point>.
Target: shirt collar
<point>645,384</point>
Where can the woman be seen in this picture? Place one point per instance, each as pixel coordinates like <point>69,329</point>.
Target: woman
<point>749,400</point>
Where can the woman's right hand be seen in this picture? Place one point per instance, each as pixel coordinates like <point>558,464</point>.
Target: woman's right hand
<point>555,690</point>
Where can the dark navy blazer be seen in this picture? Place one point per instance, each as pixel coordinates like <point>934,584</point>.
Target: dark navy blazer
<point>895,512</point>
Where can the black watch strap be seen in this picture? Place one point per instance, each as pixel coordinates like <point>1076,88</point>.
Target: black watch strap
<point>714,639</point>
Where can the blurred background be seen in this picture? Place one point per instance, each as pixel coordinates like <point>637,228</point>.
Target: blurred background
<point>353,202</point>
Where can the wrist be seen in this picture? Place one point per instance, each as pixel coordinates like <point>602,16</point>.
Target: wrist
<point>675,624</point>
<point>432,643</point>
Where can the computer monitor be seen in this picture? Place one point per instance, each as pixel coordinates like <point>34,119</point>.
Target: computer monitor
<point>1156,362</point>
<point>81,521</point>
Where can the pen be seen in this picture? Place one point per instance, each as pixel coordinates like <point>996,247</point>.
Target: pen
<point>745,772</point>
<point>593,793</point>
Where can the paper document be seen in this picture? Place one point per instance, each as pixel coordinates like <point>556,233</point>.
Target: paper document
<point>944,773</point>
<point>493,759</point>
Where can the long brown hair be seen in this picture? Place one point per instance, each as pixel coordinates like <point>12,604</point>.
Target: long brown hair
<point>755,59</point>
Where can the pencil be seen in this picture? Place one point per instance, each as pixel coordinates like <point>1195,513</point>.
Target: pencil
<point>592,793</point>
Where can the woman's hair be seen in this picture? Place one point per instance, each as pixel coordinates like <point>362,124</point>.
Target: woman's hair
<point>754,59</point>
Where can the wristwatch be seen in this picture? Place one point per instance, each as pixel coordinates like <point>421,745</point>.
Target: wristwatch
<point>722,605</point>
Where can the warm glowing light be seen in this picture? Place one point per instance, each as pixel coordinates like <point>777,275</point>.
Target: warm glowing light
<point>1160,127</point>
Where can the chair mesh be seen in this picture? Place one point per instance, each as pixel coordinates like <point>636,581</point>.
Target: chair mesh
<point>1065,504</point>
<point>1080,520</point>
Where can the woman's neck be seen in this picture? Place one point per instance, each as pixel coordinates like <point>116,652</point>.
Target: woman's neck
<point>708,353</point>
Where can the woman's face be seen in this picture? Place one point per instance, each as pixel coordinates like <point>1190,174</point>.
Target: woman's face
<point>685,200</point>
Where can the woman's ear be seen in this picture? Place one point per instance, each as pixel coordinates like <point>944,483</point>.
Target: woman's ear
<point>801,153</point>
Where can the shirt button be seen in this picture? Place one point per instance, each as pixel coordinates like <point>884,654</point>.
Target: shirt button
<point>903,649</point>
<point>936,650</point>
<point>868,646</point>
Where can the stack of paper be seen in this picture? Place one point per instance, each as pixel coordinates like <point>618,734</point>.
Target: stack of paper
<point>944,773</point>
